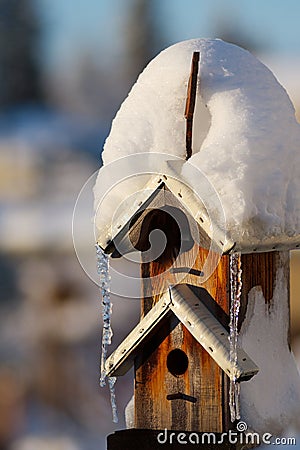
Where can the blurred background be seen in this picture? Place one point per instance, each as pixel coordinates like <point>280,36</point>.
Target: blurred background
<point>65,68</point>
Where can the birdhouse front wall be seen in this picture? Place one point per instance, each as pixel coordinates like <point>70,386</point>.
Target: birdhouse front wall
<point>196,399</point>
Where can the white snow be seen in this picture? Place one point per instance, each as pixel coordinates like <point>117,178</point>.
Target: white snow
<point>129,413</point>
<point>246,137</point>
<point>270,401</point>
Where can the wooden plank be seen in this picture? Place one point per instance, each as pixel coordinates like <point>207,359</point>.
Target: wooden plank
<point>259,269</point>
<point>190,103</point>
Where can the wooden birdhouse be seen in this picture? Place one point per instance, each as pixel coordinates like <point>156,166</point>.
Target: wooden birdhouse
<point>181,349</point>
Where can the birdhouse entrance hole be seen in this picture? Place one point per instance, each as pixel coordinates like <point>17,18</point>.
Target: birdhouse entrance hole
<point>164,233</point>
<point>177,362</point>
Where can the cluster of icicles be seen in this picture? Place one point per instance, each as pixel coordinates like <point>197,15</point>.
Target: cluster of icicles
<point>235,301</point>
<point>235,290</point>
<point>107,333</point>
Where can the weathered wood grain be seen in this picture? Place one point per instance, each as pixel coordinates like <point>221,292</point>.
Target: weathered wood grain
<point>190,103</point>
<point>203,379</point>
<point>203,382</point>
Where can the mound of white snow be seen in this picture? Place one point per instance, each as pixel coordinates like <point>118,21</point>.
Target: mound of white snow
<point>246,139</point>
<point>270,401</point>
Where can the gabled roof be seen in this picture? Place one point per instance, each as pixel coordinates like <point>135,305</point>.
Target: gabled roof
<point>182,301</point>
<point>153,196</point>
<point>119,237</point>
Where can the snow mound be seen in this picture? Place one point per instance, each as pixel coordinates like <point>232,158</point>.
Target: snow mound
<point>270,401</point>
<point>246,139</point>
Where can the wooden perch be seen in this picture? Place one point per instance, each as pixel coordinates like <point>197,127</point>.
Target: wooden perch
<point>190,103</point>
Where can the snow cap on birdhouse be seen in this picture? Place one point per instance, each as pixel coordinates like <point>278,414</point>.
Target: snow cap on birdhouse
<point>245,145</point>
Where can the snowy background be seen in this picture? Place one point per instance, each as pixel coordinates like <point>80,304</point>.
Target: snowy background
<point>65,69</point>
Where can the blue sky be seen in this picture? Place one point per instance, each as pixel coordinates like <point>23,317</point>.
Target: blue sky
<point>98,25</point>
<point>273,22</point>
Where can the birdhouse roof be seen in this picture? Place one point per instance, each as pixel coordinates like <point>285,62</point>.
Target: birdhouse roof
<point>191,310</point>
<point>162,192</point>
<point>246,141</point>
<point>119,237</point>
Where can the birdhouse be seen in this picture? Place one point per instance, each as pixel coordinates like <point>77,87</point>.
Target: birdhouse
<point>194,265</point>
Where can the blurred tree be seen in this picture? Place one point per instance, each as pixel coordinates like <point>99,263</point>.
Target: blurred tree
<point>237,37</point>
<point>227,26</point>
<point>20,80</point>
<point>143,37</point>
<point>88,88</point>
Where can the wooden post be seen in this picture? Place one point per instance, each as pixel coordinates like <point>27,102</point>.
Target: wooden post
<point>259,269</point>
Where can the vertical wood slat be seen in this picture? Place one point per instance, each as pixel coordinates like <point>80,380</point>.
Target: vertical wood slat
<point>259,269</point>
<point>190,103</point>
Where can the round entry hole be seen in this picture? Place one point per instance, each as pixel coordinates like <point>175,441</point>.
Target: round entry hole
<point>177,362</point>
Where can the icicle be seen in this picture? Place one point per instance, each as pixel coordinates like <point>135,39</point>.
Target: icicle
<point>235,298</point>
<point>107,333</point>
<point>103,271</point>
<point>111,384</point>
